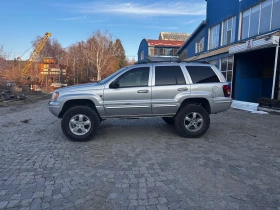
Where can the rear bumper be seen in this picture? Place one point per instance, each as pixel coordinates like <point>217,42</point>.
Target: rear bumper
<point>54,108</point>
<point>220,105</point>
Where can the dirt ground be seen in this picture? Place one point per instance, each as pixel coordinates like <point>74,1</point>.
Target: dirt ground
<point>31,98</point>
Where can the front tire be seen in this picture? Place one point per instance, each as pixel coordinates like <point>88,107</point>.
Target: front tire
<point>192,121</point>
<point>80,123</point>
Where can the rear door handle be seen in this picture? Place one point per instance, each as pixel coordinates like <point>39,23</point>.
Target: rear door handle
<point>142,91</point>
<point>183,89</point>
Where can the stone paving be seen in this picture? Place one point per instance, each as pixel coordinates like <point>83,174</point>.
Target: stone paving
<point>139,164</point>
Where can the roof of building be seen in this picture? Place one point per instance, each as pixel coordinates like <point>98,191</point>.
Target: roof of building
<point>173,36</point>
<point>197,30</point>
<point>164,43</point>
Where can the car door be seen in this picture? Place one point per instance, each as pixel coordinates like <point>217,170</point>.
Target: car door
<point>170,85</point>
<point>129,94</point>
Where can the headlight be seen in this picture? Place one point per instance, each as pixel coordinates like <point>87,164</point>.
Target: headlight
<point>55,95</point>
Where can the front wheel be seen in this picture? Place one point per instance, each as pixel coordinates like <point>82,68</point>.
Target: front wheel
<point>192,121</point>
<point>80,123</point>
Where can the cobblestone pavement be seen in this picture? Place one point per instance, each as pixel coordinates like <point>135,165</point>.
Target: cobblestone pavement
<point>139,164</point>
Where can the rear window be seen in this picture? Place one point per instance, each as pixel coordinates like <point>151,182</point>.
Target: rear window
<point>169,75</point>
<point>202,74</point>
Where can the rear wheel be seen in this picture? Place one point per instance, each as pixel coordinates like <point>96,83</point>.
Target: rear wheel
<point>168,120</point>
<point>192,121</point>
<point>80,123</point>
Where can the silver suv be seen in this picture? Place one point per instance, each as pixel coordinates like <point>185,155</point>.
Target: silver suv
<point>183,94</point>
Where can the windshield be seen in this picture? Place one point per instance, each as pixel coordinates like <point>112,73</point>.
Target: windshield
<point>107,79</point>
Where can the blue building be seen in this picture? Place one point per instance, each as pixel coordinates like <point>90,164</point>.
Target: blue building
<point>165,47</point>
<point>241,37</point>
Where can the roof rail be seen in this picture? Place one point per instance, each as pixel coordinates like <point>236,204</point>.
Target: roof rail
<point>174,61</point>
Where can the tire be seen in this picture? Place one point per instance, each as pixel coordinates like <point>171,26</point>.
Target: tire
<point>168,120</point>
<point>192,127</point>
<point>84,123</point>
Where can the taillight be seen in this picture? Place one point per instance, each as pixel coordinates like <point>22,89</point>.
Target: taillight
<point>226,89</point>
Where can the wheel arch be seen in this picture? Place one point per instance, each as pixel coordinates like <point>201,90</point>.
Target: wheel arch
<point>198,101</point>
<point>77,102</point>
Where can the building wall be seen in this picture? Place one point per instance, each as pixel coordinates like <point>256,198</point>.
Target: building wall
<point>220,10</point>
<point>217,12</point>
<point>253,71</point>
<point>143,47</point>
<point>192,44</point>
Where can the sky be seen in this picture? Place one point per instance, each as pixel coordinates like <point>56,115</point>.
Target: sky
<point>71,21</point>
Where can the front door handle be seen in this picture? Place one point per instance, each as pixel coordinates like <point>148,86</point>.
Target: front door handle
<point>183,89</point>
<point>142,91</point>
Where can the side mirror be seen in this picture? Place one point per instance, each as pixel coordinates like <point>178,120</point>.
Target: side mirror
<point>114,84</point>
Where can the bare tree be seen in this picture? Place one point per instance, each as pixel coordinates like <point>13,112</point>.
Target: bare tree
<point>94,59</point>
<point>52,48</point>
<point>101,50</point>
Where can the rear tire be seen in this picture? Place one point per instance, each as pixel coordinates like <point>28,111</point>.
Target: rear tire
<point>80,123</point>
<point>168,120</point>
<point>192,121</point>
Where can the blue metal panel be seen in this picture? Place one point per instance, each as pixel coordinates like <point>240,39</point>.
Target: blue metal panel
<point>248,80</point>
<point>191,45</point>
<point>219,10</point>
<point>143,47</point>
<point>254,72</point>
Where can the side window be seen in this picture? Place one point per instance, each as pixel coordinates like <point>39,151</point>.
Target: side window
<point>202,74</point>
<point>169,75</point>
<point>138,77</point>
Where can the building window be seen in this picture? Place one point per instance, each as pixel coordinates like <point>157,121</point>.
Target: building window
<point>245,24</point>
<point>265,16</point>
<point>199,46</point>
<point>166,51</point>
<point>156,52</point>
<point>229,31</point>
<point>142,55</point>
<point>214,62</point>
<point>214,37</point>
<point>260,19</point>
<point>227,68</point>
<point>275,15</point>
<point>161,52</point>
<point>151,51</point>
<point>254,21</point>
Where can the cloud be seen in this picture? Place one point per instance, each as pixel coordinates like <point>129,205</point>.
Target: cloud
<point>73,18</point>
<point>164,8</point>
<point>189,22</point>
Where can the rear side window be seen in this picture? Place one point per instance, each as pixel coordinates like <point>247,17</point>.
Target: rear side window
<point>202,74</point>
<point>169,75</point>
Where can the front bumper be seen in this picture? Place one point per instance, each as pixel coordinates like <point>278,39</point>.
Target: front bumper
<point>54,108</point>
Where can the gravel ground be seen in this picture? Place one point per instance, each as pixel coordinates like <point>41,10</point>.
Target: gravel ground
<point>138,164</point>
